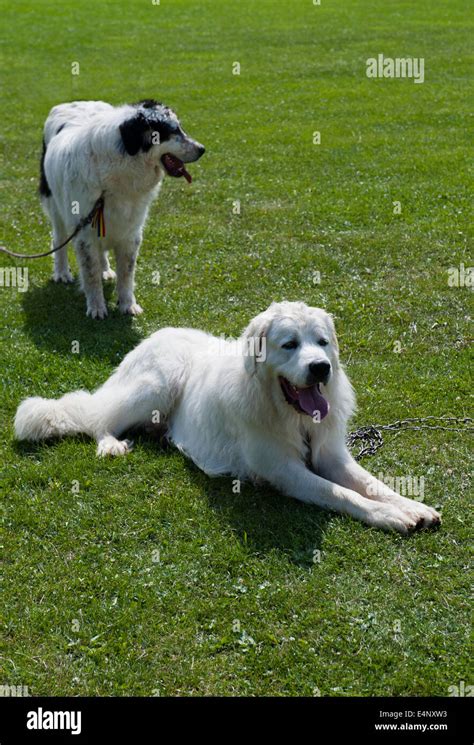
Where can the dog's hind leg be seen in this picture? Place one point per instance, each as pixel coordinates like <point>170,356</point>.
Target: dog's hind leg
<point>90,267</point>
<point>139,394</point>
<point>107,271</point>
<point>126,257</point>
<point>121,408</point>
<point>110,445</point>
<point>103,415</point>
<point>61,271</point>
<point>117,415</point>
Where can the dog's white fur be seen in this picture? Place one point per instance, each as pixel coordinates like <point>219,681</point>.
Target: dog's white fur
<point>224,407</point>
<point>88,153</point>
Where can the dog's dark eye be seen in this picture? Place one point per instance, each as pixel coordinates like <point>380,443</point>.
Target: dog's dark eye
<point>290,344</point>
<point>323,342</point>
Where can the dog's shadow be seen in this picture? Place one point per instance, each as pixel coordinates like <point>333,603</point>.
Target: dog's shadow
<point>263,520</point>
<point>55,319</point>
<point>260,518</point>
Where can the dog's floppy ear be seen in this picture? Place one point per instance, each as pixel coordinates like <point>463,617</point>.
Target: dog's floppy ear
<point>255,342</point>
<point>332,330</point>
<point>136,134</point>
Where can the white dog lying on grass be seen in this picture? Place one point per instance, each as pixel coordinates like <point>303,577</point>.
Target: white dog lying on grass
<point>271,405</point>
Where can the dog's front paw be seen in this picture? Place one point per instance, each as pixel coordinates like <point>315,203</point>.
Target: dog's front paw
<point>421,512</point>
<point>111,446</point>
<point>97,310</point>
<point>132,309</point>
<point>108,274</point>
<point>391,517</point>
<point>63,276</point>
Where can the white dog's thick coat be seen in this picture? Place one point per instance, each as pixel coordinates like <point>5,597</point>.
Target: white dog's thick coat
<point>226,410</point>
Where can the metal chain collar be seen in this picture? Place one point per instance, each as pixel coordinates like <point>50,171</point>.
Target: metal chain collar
<point>371,436</point>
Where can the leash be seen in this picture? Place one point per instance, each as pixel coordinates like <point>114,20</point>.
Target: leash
<point>95,218</point>
<point>371,439</point>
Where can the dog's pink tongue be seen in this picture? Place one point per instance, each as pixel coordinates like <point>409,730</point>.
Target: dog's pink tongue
<point>311,401</point>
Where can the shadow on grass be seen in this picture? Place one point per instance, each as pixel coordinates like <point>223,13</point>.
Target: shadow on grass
<point>263,520</point>
<point>260,517</point>
<point>27,448</point>
<point>55,316</point>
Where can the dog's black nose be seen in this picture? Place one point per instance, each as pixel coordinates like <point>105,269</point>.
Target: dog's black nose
<point>319,371</point>
<point>201,150</point>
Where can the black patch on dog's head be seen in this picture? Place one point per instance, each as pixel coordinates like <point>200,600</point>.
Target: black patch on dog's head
<point>137,132</point>
<point>44,189</point>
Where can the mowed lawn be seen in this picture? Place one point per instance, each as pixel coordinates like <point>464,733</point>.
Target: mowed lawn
<point>141,576</point>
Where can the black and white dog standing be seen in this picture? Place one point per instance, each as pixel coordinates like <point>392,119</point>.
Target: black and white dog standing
<point>92,149</point>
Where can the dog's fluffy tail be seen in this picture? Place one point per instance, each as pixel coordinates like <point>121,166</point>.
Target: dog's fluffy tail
<point>41,418</point>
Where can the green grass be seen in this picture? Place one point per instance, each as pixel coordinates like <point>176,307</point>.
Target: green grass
<point>88,607</point>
